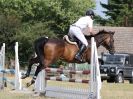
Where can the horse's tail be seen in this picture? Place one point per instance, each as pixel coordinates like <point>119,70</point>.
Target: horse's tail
<point>39,45</point>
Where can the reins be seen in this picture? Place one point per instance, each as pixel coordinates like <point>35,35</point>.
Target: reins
<point>102,41</point>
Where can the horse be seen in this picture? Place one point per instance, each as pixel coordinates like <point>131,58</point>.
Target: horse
<point>49,50</point>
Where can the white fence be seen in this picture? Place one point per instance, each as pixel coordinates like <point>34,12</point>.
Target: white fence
<point>17,80</point>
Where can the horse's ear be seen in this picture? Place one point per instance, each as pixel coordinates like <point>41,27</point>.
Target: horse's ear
<point>113,32</point>
<point>102,30</point>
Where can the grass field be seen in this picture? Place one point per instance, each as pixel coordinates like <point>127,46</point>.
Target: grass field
<point>117,91</point>
<point>109,91</point>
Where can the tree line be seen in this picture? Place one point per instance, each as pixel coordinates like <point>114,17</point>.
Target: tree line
<point>120,13</point>
<point>26,20</point>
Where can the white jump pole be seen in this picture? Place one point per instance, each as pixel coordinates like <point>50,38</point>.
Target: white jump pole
<point>40,82</point>
<point>98,75</point>
<point>91,84</point>
<point>2,57</point>
<point>2,62</point>
<point>18,81</point>
<point>95,82</point>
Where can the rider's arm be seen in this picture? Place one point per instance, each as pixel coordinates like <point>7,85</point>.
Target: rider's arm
<point>91,31</point>
<point>90,27</point>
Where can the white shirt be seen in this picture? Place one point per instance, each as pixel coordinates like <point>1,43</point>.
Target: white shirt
<point>84,22</point>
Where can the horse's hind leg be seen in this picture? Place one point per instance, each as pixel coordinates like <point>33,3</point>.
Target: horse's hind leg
<point>31,62</point>
<point>39,59</point>
<point>38,69</point>
<point>40,56</point>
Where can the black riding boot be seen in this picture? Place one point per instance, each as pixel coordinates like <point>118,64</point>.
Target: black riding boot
<point>78,55</point>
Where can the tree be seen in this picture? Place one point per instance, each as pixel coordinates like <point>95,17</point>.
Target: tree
<point>120,12</point>
<point>26,20</point>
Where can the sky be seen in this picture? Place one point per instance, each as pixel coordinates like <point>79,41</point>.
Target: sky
<point>99,9</point>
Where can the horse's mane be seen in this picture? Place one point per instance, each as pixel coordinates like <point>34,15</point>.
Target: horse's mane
<point>100,32</point>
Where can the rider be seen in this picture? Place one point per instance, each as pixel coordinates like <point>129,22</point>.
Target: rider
<point>77,29</point>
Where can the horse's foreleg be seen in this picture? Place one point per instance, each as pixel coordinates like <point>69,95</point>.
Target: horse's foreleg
<point>31,62</point>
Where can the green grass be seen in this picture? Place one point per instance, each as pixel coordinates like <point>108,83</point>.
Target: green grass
<point>117,91</point>
<point>109,91</point>
<point>11,95</point>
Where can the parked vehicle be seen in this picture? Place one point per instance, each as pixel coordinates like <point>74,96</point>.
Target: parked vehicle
<point>117,68</point>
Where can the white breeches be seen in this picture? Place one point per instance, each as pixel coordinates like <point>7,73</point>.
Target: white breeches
<point>76,31</point>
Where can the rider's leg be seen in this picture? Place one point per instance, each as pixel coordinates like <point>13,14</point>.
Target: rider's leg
<point>78,33</point>
<point>79,53</point>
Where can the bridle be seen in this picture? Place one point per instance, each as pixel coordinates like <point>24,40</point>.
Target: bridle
<point>101,42</point>
<point>110,46</point>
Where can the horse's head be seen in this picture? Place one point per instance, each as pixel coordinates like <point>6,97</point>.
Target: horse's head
<point>106,39</point>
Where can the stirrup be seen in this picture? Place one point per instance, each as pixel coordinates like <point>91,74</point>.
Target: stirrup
<point>78,58</point>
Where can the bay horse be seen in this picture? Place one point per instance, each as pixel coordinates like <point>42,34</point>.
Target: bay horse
<point>50,50</point>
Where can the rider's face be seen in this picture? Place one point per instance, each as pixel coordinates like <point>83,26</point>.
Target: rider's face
<point>92,17</point>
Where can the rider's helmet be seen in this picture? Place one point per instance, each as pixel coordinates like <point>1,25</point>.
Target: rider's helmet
<point>90,13</point>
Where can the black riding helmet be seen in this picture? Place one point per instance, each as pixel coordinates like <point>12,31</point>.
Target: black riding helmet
<point>90,13</point>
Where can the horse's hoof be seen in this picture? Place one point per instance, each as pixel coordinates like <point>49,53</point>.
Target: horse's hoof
<point>28,84</point>
<point>24,76</point>
<point>32,82</point>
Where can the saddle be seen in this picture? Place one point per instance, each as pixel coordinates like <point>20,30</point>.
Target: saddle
<point>75,41</point>
<point>78,43</point>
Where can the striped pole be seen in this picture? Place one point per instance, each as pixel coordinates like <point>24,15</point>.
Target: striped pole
<point>54,70</point>
<point>67,80</point>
